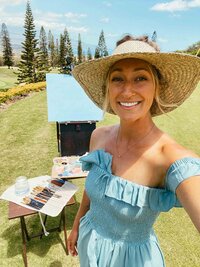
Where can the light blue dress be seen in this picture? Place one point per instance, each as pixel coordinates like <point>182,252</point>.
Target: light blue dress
<point>117,230</point>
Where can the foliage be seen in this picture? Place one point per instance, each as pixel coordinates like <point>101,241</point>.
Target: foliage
<point>29,58</point>
<point>53,55</point>
<point>101,49</point>
<point>7,48</point>
<point>62,54</point>
<point>21,90</point>
<point>154,37</point>
<point>80,51</point>
<point>66,56</point>
<point>68,45</point>
<point>193,49</point>
<point>89,54</point>
<point>43,58</point>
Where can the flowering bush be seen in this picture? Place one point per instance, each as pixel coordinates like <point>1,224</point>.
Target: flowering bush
<point>21,90</point>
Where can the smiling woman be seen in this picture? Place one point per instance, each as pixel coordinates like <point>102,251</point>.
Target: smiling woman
<point>136,169</point>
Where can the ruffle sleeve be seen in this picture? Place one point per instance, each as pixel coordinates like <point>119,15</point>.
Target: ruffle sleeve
<point>139,195</point>
<point>97,157</point>
<point>181,170</point>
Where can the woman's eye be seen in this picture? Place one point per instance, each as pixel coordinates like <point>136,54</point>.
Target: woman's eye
<point>140,78</point>
<point>116,79</point>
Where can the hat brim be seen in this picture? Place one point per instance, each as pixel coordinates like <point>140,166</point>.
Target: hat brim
<point>180,72</point>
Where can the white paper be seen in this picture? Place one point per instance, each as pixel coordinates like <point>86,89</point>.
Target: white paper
<point>54,205</point>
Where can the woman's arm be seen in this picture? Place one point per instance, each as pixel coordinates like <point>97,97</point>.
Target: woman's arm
<point>73,237</point>
<point>188,193</point>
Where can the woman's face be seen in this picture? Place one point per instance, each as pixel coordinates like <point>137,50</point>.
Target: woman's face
<point>131,89</point>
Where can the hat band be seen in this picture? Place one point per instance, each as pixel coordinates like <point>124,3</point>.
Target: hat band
<point>134,46</point>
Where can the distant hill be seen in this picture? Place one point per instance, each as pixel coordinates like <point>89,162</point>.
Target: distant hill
<point>17,48</point>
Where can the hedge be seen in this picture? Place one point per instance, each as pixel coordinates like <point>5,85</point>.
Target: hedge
<point>21,90</point>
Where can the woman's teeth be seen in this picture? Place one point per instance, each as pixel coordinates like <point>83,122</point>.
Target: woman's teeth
<point>125,104</point>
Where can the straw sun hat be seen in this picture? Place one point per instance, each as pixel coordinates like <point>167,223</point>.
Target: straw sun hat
<point>180,73</point>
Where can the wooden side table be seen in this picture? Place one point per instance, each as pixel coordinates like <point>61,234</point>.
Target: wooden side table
<point>17,211</point>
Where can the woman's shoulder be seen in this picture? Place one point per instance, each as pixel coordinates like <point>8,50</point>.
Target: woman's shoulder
<point>173,151</point>
<point>100,136</point>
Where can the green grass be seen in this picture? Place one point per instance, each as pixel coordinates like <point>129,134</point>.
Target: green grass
<point>28,144</point>
<point>8,78</point>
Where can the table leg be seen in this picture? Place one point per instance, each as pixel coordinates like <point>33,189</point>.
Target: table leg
<point>64,229</point>
<point>24,230</point>
<point>42,231</point>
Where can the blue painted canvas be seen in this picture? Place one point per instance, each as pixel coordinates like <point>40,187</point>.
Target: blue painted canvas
<point>67,101</point>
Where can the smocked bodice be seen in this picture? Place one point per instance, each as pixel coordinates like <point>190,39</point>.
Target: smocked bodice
<point>124,210</point>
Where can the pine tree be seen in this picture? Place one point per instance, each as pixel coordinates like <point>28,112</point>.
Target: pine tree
<point>62,54</point>
<point>52,49</point>
<point>43,58</point>
<point>29,55</point>
<point>7,48</point>
<point>101,49</point>
<point>97,52</point>
<point>79,50</point>
<point>154,36</point>
<point>57,53</point>
<point>89,54</point>
<point>69,50</point>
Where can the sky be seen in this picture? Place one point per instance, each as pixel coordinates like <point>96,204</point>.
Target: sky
<point>176,22</point>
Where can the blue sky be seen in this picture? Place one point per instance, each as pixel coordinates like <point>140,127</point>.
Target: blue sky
<point>176,22</point>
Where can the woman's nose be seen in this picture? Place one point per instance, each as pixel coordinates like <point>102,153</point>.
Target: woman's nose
<point>129,89</point>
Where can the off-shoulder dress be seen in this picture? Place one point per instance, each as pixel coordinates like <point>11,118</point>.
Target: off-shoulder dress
<point>117,231</point>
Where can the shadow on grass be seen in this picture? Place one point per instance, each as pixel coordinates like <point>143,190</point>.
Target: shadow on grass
<point>36,245</point>
<point>56,264</point>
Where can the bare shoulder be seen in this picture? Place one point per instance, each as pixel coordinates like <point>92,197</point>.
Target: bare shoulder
<point>173,151</point>
<point>99,137</point>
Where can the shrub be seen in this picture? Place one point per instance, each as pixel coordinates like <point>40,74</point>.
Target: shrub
<point>21,90</point>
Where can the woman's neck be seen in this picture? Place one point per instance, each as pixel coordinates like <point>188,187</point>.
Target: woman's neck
<point>129,132</point>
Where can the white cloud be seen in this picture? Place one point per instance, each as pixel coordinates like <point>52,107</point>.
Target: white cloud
<point>53,25</point>
<point>176,5</point>
<point>105,20</point>
<point>111,35</point>
<point>162,40</point>
<point>12,2</point>
<point>49,20</point>
<point>77,29</point>
<point>49,25</point>
<point>71,15</point>
<point>14,19</point>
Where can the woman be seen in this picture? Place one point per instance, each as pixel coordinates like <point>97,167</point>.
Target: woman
<point>136,170</point>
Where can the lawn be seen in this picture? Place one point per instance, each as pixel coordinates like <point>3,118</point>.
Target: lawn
<point>8,78</point>
<point>28,144</point>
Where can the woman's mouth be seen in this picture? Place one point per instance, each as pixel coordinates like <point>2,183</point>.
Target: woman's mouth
<point>129,104</point>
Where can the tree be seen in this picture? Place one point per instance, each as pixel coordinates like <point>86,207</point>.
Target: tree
<point>89,54</point>
<point>43,58</point>
<point>97,52</point>
<point>62,54</point>
<point>29,55</point>
<point>68,45</point>
<point>194,49</point>
<point>57,53</point>
<point>52,49</point>
<point>154,37</point>
<point>7,49</point>
<point>101,49</point>
<point>79,50</point>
